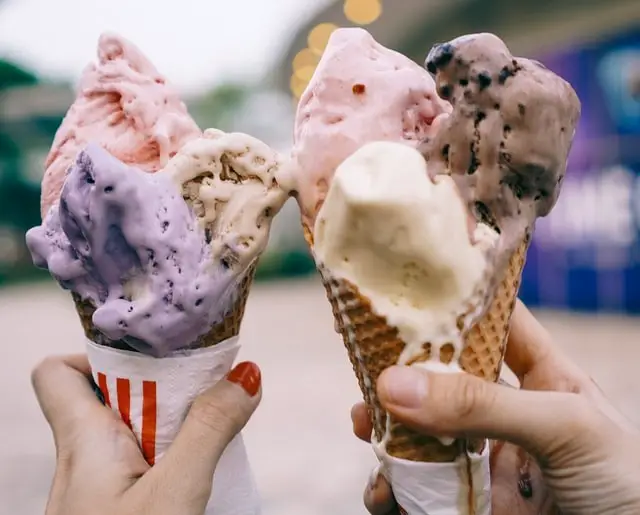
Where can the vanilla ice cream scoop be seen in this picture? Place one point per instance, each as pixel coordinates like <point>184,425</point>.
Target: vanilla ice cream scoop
<point>403,240</point>
<point>124,105</point>
<point>230,180</point>
<point>360,92</point>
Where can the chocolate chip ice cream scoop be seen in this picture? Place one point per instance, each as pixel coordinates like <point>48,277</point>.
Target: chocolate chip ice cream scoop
<point>507,140</point>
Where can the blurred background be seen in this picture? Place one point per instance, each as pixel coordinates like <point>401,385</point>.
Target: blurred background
<point>242,66</point>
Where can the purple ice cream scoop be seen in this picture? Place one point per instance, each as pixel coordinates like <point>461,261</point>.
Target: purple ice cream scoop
<point>127,241</point>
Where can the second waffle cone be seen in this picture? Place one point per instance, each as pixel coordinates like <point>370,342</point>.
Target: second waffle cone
<point>373,346</point>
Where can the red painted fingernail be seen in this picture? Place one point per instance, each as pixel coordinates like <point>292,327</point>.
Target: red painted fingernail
<point>247,375</point>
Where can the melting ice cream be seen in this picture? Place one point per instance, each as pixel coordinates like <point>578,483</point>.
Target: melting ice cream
<point>507,139</point>
<point>160,255</point>
<point>404,240</point>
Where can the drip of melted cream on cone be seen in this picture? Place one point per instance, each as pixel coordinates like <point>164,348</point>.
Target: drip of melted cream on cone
<point>403,240</point>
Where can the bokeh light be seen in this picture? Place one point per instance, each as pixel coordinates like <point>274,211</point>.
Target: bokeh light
<point>362,12</point>
<point>297,86</point>
<point>305,73</point>
<point>319,37</point>
<point>304,59</point>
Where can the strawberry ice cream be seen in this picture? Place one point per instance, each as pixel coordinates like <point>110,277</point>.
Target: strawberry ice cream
<point>125,106</point>
<point>360,92</point>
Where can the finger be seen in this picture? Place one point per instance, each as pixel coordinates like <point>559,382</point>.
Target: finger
<point>362,426</point>
<point>529,342</point>
<point>63,389</point>
<point>184,476</point>
<point>531,351</point>
<point>604,405</point>
<point>530,348</point>
<point>378,497</point>
<point>463,405</point>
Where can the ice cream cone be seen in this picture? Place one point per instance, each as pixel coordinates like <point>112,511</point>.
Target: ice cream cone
<point>227,328</point>
<point>373,346</point>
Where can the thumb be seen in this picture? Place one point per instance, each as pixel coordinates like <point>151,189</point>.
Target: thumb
<point>463,405</point>
<point>215,418</point>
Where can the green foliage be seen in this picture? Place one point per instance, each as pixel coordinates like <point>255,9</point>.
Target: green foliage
<point>284,264</point>
<point>219,107</point>
<point>12,75</point>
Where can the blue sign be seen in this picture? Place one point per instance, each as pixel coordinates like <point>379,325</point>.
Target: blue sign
<point>586,254</point>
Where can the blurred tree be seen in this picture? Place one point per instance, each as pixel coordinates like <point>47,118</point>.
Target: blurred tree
<point>12,75</point>
<point>19,201</point>
<point>219,107</point>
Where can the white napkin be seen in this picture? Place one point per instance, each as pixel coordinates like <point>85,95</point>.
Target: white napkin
<point>152,396</point>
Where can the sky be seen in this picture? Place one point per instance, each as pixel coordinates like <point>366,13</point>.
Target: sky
<point>195,43</point>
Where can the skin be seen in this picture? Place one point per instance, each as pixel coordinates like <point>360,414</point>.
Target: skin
<point>100,469</point>
<point>586,454</point>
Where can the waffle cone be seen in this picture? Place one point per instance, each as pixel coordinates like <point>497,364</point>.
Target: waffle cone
<point>227,328</point>
<point>373,346</point>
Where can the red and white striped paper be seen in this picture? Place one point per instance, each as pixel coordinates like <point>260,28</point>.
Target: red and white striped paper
<point>152,396</point>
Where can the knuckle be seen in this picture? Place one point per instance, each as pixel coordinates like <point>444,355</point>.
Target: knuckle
<point>65,460</point>
<point>582,427</point>
<point>583,415</point>
<point>42,370</point>
<point>370,502</point>
<point>215,416</point>
<point>378,497</point>
<point>471,395</point>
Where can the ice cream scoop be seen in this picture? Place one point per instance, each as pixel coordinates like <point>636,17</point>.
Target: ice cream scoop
<point>160,256</point>
<point>360,92</point>
<point>507,139</point>
<point>124,105</point>
<point>404,240</point>
<point>126,240</point>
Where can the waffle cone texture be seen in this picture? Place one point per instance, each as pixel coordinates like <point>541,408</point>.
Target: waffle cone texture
<point>227,328</point>
<point>373,346</point>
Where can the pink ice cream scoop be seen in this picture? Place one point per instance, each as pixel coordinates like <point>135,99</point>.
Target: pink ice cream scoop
<point>360,92</point>
<point>125,106</point>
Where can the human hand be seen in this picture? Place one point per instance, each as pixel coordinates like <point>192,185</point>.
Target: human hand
<point>99,466</point>
<point>587,455</point>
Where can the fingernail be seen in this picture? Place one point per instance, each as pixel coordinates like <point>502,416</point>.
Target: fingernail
<point>247,375</point>
<point>403,386</point>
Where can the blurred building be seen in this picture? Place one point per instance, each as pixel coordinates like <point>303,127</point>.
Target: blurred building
<point>586,254</point>
<point>413,26</point>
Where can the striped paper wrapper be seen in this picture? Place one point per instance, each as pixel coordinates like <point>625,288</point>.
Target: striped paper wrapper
<point>152,396</point>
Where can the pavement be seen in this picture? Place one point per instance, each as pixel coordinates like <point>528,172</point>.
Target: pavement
<point>300,443</point>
